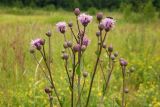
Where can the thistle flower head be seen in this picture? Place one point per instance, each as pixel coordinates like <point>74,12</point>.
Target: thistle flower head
<point>108,23</point>
<point>37,43</point>
<point>85,19</point>
<point>123,62</point>
<point>86,41</point>
<point>99,16</point>
<point>77,11</point>
<point>76,47</point>
<point>61,27</point>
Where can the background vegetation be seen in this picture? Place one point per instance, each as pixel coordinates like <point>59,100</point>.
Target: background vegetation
<point>136,36</point>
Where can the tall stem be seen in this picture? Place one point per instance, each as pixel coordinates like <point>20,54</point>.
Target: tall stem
<point>66,67</point>
<point>72,94</point>
<point>95,69</point>
<point>50,75</point>
<point>123,93</point>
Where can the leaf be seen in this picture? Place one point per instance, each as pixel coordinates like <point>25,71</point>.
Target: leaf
<point>78,71</point>
<point>97,53</point>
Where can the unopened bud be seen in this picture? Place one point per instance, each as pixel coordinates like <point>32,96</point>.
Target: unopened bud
<point>112,57</point>
<point>85,74</point>
<point>69,44</point>
<point>110,48</point>
<point>83,48</point>
<point>32,50</point>
<point>104,46</point>
<point>65,45</point>
<point>70,24</point>
<point>116,54</point>
<point>99,16</point>
<point>77,11</point>
<point>132,69</point>
<point>65,56</point>
<point>126,90</point>
<point>47,90</point>
<point>49,33</point>
<point>98,34</point>
<point>101,26</point>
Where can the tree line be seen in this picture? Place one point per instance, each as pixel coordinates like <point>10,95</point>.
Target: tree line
<point>83,4</point>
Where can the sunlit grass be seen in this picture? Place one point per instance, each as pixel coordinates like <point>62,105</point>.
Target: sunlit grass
<point>139,43</point>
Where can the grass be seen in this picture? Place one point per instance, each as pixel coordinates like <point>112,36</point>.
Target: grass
<point>21,86</point>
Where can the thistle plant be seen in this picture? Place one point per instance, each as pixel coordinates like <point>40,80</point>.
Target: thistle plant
<point>73,56</point>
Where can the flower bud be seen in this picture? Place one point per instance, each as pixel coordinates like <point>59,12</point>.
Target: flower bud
<point>38,47</point>
<point>123,62</point>
<point>126,90</point>
<point>110,48</point>
<point>98,34</point>
<point>49,33</point>
<point>65,45</point>
<point>47,90</point>
<point>69,44</point>
<point>70,24</point>
<point>116,54</point>
<point>63,51</point>
<point>104,46</point>
<point>32,50</point>
<point>100,26</point>
<point>42,42</point>
<point>76,48</point>
<point>85,74</point>
<point>132,69</point>
<point>65,56</point>
<point>77,11</point>
<point>83,48</point>
<point>112,57</point>
<point>99,16</point>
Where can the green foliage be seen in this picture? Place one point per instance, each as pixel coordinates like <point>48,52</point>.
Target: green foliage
<point>92,10</point>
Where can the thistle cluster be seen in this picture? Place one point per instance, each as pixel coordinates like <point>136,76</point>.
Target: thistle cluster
<point>73,53</point>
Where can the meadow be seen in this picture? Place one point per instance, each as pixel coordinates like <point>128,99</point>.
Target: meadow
<point>22,83</point>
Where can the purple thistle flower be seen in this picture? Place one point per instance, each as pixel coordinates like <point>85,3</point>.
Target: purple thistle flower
<point>85,19</point>
<point>61,27</point>
<point>76,47</point>
<point>108,23</point>
<point>86,41</point>
<point>37,43</point>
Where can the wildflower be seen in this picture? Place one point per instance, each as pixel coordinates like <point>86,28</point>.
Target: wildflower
<point>61,27</point>
<point>37,43</point>
<point>123,62</point>
<point>70,24</point>
<point>110,48</point>
<point>98,33</point>
<point>99,16</point>
<point>116,54</point>
<point>77,11</point>
<point>86,41</point>
<point>85,74</point>
<point>49,33</point>
<point>65,56</point>
<point>108,23</point>
<point>76,48</point>
<point>65,45</point>
<point>83,48</point>
<point>112,57</point>
<point>69,44</point>
<point>85,19</point>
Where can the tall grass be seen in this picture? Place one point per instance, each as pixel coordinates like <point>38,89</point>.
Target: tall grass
<point>19,87</point>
